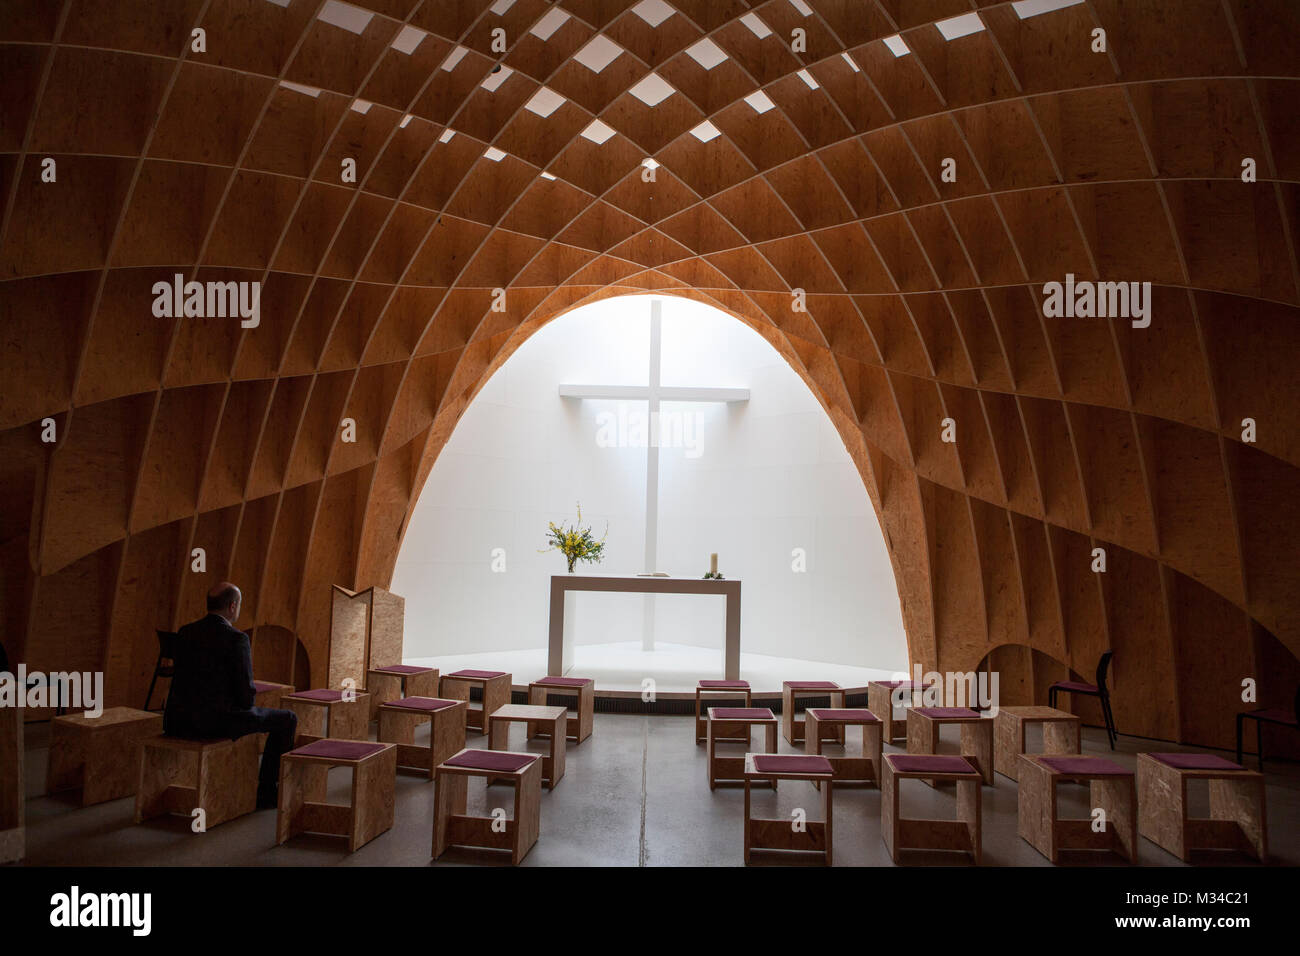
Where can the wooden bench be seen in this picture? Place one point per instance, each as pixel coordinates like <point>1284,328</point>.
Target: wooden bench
<point>304,779</point>
<point>847,767</point>
<point>781,834</point>
<point>906,833</point>
<point>394,681</point>
<point>495,687</point>
<point>454,826</point>
<point>1110,789</point>
<point>99,755</point>
<point>329,713</point>
<point>1237,819</point>
<point>180,776</point>
<point>582,689</point>
<point>398,720</point>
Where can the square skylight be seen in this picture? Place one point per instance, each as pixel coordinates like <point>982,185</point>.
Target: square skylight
<point>549,177</point>
<point>802,7</point>
<point>500,73</point>
<point>808,79</point>
<point>1032,8</point>
<point>447,134</point>
<point>759,101</point>
<point>852,65</point>
<point>599,53</point>
<point>652,90</point>
<point>405,120</point>
<point>312,91</point>
<point>756,26</point>
<point>502,7</point>
<point>961,26</point>
<point>554,19</point>
<point>706,131</point>
<point>653,12</point>
<point>454,58</point>
<point>494,154</point>
<point>344,15</point>
<point>362,106</point>
<point>544,102</point>
<point>706,53</point>
<point>408,38</point>
<point>896,45</point>
<point>598,132</point>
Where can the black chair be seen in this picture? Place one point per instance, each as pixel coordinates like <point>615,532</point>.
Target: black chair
<point>1268,715</point>
<point>165,665</point>
<point>1097,690</point>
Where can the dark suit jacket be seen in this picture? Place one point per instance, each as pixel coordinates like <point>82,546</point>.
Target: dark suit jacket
<point>212,688</point>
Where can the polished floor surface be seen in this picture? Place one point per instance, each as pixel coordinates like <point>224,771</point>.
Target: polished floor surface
<point>634,793</point>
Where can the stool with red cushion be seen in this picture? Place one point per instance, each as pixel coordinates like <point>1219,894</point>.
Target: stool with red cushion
<point>398,720</point>
<point>1098,690</point>
<point>717,690</point>
<point>780,834</point>
<point>1110,789</point>
<point>304,775</point>
<point>323,712</point>
<point>1268,715</point>
<point>495,691</point>
<point>908,833</point>
<point>882,698</point>
<point>393,681</point>
<point>582,690</point>
<point>1237,819</point>
<point>454,826</point>
<point>923,726</point>
<point>792,691</point>
<point>735,725</point>
<point>865,766</point>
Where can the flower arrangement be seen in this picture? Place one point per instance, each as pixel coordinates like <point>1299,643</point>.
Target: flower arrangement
<point>576,543</point>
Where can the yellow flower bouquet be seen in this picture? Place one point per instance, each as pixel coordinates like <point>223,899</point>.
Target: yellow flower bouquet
<point>576,543</point>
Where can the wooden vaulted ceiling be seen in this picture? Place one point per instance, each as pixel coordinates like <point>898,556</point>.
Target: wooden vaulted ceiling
<point>923,298</point>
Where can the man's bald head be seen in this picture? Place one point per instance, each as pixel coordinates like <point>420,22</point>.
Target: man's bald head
<point>224,599</point>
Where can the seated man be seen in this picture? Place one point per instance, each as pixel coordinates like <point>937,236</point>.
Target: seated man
<point>212,689</point>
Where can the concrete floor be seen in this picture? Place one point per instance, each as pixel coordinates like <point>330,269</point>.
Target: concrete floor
<point>633,794</point>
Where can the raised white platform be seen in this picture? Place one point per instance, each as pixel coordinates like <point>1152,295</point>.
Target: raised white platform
<point>675,668</point>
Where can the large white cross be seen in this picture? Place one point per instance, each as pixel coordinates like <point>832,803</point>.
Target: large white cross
<point>653,393</point>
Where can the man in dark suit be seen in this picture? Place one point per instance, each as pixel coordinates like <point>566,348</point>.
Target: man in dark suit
<point>212,689</point>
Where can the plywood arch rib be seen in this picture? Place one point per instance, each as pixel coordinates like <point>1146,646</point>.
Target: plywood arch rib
<point>923,297</point>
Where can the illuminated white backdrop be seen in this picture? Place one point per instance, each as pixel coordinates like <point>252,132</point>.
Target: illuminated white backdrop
<point>760,480</point>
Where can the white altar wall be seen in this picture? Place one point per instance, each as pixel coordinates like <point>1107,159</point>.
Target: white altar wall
<point>763,478</point>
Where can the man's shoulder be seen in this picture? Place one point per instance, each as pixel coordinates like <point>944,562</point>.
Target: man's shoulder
<point>213,626</point>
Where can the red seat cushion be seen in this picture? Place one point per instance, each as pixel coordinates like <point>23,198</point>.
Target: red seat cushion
<point>262,687</point>
<point>843,713</point>
<point>491,760</point>
<point>1274,715</point>
<point>403,669</point>
<point>339,749</point>
<point>422,703</point>
<point>320,693</point>
<point>930,763</point>
<point>478,675</point>
<point>812,685</point>
<point>741,713</point>
<point>946,713</point>
<point>895,684</point>
<point>1077,686</point>
<point>1083,766</point>
<point>1196,761</point>
<point>564,681</point>
<point>724,685</point>
<point>791,763</point>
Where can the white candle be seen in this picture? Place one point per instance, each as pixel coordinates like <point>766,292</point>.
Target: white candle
<point>713,563</point>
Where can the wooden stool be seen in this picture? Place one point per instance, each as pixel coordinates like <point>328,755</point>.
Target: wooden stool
<point>394,681</point>
<point>453,826</point>
<point>923,725</point>
<point>865,767</point>
<point>723,688</point>
<point>100,755</point>
<point>765,834</point>
<point>268,694</point>
<point>901,833</point>
<point>880,700</point>
<point>581,689</point>
<point>304,775</point>
<point>496,693</point>
<point>1060,734</point>
<point>399,718</point>
<point>180,776</point>
<point>552,718</point>
<point>325,713</point>
<point>792,690</point>
<point>1237,819</point>
<point>1110,788</point>
<point>725,725</point>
